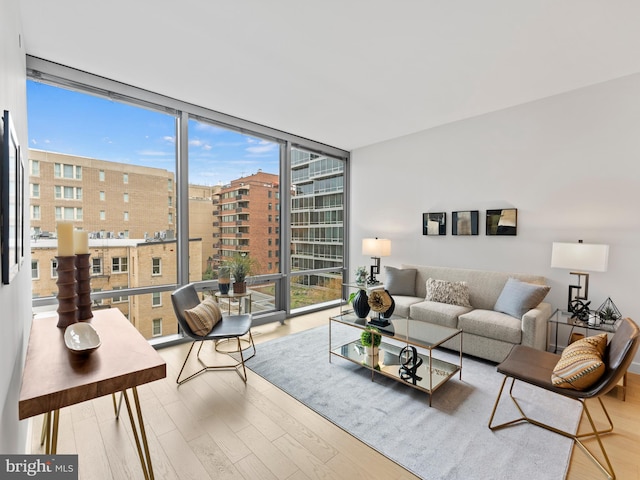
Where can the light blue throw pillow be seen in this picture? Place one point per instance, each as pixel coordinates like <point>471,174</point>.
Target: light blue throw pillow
<point>517,297</point>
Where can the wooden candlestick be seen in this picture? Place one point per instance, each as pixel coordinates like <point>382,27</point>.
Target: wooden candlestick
<point>67,309</point>
<point>83,286</point>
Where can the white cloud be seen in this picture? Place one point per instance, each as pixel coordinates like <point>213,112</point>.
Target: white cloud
<point>154,153</point>
<point>169,139</point>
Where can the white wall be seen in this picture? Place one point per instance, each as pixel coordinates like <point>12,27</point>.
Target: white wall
<point>15,299</point>
<point>568,163</point>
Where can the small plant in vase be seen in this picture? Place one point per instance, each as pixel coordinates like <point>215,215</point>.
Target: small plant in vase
<point>370,340</point>
<point>361,275</point>
<point>241,266</point>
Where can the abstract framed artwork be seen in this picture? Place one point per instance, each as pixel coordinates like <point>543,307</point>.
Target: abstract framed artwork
<point>434,223</point>
<point>502,221</point>
<point>11,201</point>
<point>464,222</point>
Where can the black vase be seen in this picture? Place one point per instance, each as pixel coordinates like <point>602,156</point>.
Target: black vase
<point>390,310</point>
<point>361,304</point>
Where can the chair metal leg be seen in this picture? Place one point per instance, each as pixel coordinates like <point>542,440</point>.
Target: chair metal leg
<point>205,367</point>
<point>577,438</point>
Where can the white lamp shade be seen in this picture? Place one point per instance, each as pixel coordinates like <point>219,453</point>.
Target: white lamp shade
<point>376,247</point>
<point>580,256</point>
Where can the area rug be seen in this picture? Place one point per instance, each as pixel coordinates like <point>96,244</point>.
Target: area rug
<point>449,440</point>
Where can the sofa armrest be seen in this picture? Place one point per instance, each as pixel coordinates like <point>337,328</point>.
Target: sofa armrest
<point>534,326</point>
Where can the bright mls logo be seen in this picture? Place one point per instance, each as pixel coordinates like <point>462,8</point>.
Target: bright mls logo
<point>52,467</point>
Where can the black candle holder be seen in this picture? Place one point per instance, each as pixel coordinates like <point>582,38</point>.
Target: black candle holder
<point>67,296</point>
<point>83,286</point>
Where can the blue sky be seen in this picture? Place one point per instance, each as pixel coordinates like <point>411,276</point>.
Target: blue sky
<point>64,121</point>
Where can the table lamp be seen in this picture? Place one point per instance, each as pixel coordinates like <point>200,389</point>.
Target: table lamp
<point>376,247</point>
<point>580,257</point>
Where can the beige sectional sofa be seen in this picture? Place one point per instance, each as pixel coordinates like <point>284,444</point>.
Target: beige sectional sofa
<point>503,309</point>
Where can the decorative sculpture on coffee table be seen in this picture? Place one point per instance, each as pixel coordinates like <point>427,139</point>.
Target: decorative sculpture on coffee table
<point>380,301</point>
<point>410,361</point>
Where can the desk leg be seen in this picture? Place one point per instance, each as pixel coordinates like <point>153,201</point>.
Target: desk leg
<point>145,460</point>
<point>50,432</point>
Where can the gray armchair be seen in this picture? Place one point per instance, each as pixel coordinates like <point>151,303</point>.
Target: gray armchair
<point>230,327</point>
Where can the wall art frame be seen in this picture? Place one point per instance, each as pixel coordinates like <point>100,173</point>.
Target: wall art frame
<point>11,201</point>
<point>464,222</point>
<point>434,223</point>
<point>502,221</point>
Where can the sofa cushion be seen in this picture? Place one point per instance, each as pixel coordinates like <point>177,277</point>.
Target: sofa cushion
<point>453,293</point>
<point>203,317</point>
<point>517,297</point>
<point>403,303</point>
<point>438,313</point>
<point>400,281</point>
<point>490,324</point>
<point>580,364</point>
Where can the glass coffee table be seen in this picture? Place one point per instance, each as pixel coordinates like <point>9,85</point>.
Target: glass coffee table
<point>405,353</point>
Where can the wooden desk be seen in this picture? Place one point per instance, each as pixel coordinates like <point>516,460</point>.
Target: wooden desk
<point>54,377</point>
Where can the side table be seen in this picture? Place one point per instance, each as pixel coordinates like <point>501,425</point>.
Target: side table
<point>240,297</point>
<point>560,317</point>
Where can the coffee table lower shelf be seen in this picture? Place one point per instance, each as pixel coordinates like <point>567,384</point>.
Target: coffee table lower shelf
<point>430,375</point>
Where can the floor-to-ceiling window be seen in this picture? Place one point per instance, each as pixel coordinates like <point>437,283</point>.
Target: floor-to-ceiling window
<point>136,170</point>
<point>317,228</point>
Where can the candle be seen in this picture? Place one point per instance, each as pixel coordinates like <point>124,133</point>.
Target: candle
<point>65,239</point>
<point>80,242</point>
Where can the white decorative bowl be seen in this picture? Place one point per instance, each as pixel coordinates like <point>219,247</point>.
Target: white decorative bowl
<point>81,338</point>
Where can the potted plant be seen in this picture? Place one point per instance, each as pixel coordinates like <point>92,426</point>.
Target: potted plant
<point>224,279</point>
<point>241,266</point>
<point>370,340</point>
<point>361,275</point>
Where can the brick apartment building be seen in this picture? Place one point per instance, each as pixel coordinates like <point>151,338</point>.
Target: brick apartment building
<point>124,263</point>
<point>247,212</point>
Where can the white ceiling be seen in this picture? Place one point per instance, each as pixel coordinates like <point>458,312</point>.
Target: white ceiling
<point>347,73</point>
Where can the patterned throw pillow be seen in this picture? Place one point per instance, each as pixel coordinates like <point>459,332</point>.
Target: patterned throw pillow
<point>453,293</point>
<point>581,364</point>
<point>203,317</point>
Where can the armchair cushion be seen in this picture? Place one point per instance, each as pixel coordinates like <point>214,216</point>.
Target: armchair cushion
<point>203,317</point>
<point>581,364</point>
<point>518,297</point>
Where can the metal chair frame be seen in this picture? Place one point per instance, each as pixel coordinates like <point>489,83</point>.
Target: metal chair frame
<point>206,367</point>
<point>618,356</point>
<point>187,297</point>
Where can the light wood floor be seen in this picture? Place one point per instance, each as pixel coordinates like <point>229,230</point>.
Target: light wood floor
<point>217,427</point>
